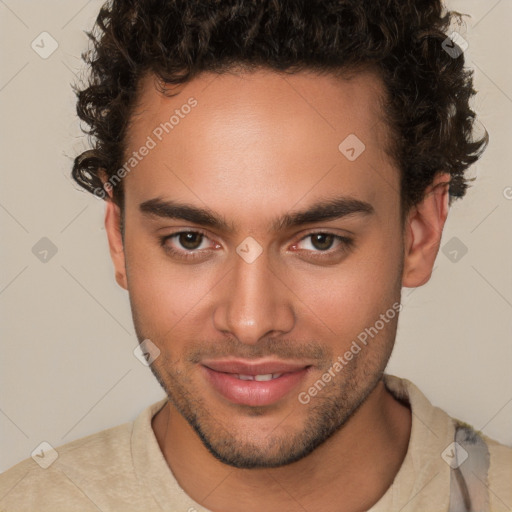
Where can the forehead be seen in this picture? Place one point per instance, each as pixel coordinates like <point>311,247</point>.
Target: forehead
<point>261,138</point>
<point>305,98</point>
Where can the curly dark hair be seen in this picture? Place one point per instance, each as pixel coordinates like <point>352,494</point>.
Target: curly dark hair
<point>428,89</point>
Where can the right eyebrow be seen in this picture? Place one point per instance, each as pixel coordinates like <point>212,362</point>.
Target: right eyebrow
<point>173,210</point>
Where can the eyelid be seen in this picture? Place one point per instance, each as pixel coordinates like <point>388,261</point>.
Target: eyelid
<point>164,238</point>
<point>347,240</point>
<point>180,230</point>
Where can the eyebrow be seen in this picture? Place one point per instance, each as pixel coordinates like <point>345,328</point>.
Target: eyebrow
<point>326,210</point>
<point>330,209</point>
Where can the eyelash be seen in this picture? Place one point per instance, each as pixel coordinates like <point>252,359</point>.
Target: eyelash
<point>345,244</point>
<point>183,254</point>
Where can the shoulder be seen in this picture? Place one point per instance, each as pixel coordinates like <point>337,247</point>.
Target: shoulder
<point>56,475</point>
<point>436,421</point>
<point>86,474</point>
<point>500,475</point>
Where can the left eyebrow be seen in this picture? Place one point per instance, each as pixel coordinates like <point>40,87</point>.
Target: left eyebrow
<point>324,211</point>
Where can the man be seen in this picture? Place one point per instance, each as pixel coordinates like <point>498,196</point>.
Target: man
<point>275,172</point>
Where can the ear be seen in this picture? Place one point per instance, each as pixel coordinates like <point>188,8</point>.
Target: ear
<point>115,242</point>
<point>423,230</point>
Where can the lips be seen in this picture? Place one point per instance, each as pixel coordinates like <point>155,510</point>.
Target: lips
<point>253,384</point>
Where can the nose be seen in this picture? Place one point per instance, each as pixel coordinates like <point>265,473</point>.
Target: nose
<point>253,303</point>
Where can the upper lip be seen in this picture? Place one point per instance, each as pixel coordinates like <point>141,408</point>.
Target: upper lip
<point>241,367</point>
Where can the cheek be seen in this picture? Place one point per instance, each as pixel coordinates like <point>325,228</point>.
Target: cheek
<point>346,299</point>
<point>165,295</point>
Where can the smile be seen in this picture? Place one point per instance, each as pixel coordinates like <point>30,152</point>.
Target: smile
<point>253,384</point>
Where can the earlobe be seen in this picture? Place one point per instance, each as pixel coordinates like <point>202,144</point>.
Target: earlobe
<point>423,231</point>
<point>115,242</point>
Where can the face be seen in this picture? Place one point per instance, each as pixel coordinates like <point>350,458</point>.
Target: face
<point>257,254</point>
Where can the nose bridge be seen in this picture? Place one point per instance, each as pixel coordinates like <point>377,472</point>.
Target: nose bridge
<point>254,303</point>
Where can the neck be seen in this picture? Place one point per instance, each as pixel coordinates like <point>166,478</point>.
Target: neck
<point>350,472</point>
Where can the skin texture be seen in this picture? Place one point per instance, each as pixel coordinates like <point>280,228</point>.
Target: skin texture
<point>256,147</point>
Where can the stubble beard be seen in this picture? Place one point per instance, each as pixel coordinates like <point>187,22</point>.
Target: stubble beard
<point>331,409</point>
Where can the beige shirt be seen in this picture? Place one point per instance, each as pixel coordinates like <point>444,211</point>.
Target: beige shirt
<point>123,469</point>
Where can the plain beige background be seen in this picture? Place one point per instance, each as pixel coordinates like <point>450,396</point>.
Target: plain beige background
<point>67,364</point>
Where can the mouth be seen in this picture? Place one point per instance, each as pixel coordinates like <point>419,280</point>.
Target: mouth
<point>254,384</point>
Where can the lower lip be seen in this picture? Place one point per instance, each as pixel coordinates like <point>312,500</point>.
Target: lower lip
<point>252,392</point>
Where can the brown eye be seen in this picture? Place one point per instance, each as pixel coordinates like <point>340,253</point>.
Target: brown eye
<point>190,240</point>
<point>189,246</point>
<point>322,241</point>
<point>324,245</point>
